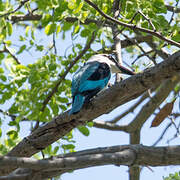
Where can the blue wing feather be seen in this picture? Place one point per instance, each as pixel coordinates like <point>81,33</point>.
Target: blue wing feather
<point>85,86</point>
<point>82,75</point>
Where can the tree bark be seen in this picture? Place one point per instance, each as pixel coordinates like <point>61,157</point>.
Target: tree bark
<point>129,155</point>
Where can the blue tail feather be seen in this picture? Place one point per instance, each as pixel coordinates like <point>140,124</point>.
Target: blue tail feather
<point>77,104</point>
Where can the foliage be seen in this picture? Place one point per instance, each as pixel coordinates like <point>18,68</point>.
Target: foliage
<point>175,176</point>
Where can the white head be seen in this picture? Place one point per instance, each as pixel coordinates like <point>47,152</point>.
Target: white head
<point>111,62</point>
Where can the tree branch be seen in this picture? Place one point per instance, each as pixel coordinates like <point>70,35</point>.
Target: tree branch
<point>132,26</point>
<point>19,7</point>
<point>173,9</point>
<point>119,94</point>
<point>12,55</point>
<point>144,53</point>
<point>152,104</point>
<point>109,126</point>
<point>162,53</point>
<point>131,109</point>
<point>129,155</point>
<point>128,42</point>
<point>37,17</point>
<point>162,135</point>
<point>173,12</point>
<point>116,37</point>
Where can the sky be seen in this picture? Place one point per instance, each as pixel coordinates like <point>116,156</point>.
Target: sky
<point>103,138</point>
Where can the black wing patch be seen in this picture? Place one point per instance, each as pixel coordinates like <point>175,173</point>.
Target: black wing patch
<point>101,72</point>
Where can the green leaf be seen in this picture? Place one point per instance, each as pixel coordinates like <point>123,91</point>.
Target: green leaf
<point>3,78</point>
<point>85,32</point>
<point>50,28</point>
<point>58,29</point>
<point>9,28</point>
<point>176,37</point>
<point>22,48</point>
<point>67,82</point>
<point>1,70</point>
<point>3,149</point>
<point>90,124</point>
<point>63,99</point>
<point>52,66</point>
<point>39,47</point>
<point>83,16</point>
<point>46,19</point>
<point>7,95</point>
<point>76,29</point>
<point>84,130</point>
<point>175,176</point>
<point>2,56</point>
<point>71,4</point>
<point>12,123</point>
<point>8,42</point>
<point>27,30</point>
<point>56,149</point>
<point>12,134</point>
<point>68,146</point>
<point>77,9</point>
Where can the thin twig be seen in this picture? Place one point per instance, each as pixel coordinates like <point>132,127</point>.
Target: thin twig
<point>153,104</point>
<point>173,122</point>
<point>109,126</point>
<point>134,27</point>
<point>8,51</point>
<point>173,12</point>
<point>54,38</point>
<point>19,7</point>
<point>54,43</point>
<point>131,109</point>
<point>161,52</point>
<point>145,53</point>
<point>149,21</point>
<point>142,55</point>
<point>162,135</point>
<point>13,117</point>
<point>130,22</point>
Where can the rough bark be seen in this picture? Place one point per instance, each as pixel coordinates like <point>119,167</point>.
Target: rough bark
<point>129,155</point>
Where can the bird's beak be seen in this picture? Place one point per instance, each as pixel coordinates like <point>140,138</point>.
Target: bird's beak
<point>124,70</point>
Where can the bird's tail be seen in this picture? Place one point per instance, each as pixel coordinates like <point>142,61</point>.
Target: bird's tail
<point>77,104</point>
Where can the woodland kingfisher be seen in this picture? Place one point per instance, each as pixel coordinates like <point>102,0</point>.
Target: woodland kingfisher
<point>92,78</point>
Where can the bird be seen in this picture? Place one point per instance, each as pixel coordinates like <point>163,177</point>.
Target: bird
<point>92,78</point>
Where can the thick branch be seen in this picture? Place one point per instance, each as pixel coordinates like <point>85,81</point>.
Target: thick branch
<point>129,155</point>
<point>119,94</point>
<point>37,17</point>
